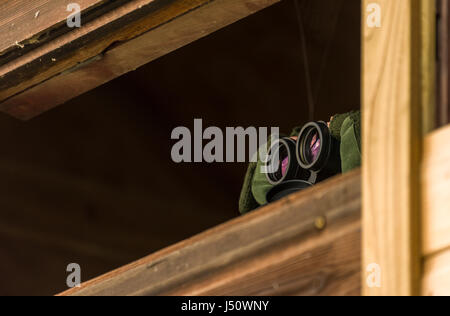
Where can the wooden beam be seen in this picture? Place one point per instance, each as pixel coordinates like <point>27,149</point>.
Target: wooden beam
<point>122,38</point>
<point>306,244</point>
<point>435,192</point>
<point>25,25</point>
<point>393,96</point>
<point>428,65</point>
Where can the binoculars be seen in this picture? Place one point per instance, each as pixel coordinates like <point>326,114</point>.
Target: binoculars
<point>295,164</point>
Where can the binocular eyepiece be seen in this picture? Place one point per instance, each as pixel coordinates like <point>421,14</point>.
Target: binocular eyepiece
<point>311,157</point>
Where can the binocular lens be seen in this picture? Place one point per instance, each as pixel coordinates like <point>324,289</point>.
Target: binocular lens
<point>284,166</point>
<point>313,145</point>
<point>280,165</point>
<point>311,153</point>
<point>318,151</point>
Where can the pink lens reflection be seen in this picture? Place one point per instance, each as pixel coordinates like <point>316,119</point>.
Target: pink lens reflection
<point>284,166</point>
<point>315,147</point>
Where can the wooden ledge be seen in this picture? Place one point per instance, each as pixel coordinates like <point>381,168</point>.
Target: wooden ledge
<point>281,249</point>
<point>44,63</point>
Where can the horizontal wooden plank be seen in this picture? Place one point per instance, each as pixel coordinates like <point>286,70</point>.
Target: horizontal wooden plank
<point>110,45</point>
<point>435,194</point>
<point>327,264</point>
<point>279,249</point>
<point>25,25</point>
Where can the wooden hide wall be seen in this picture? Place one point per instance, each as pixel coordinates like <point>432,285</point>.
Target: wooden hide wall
<point>92,181</point>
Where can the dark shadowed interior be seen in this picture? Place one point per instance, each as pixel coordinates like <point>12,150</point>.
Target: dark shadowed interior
<point>92,181</point>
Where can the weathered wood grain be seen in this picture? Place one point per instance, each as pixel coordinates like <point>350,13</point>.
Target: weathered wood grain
<point>393,93</point>
<point>110,45</point>
<point>328,264</point>
<point>25,25</point>
<point>275,250</point>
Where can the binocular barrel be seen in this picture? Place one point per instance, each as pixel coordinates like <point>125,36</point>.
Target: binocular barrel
<point>312,157</point>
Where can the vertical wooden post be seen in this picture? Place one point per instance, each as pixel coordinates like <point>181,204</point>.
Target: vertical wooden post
<point>396,81</point>
<point>443,115</point>
<point>428,60</point>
